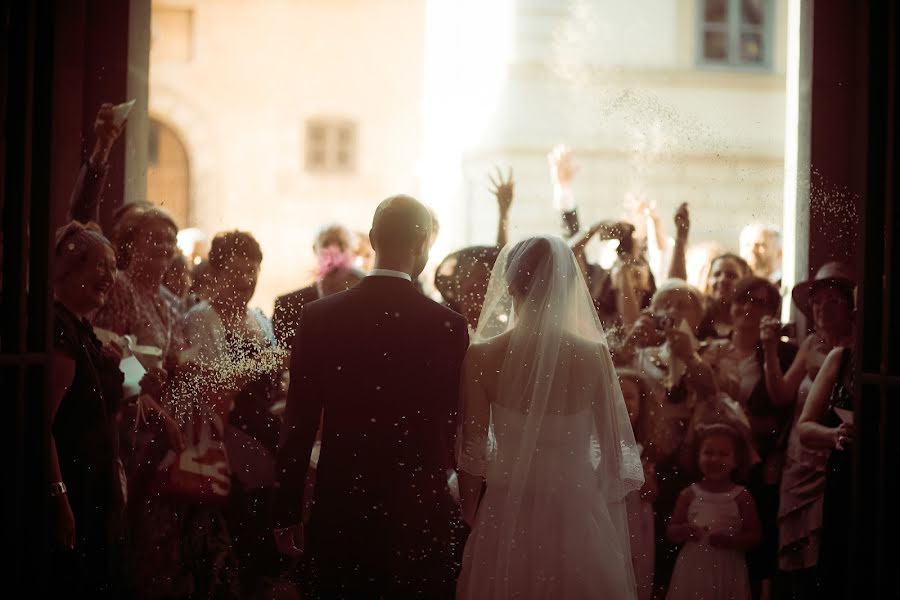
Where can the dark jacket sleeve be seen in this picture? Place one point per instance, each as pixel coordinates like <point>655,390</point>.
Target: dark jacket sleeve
<point>84,203</point>
<point>301,423</point>
<point>451,387</point>
<point>570,223</point>
<point>279,322</point>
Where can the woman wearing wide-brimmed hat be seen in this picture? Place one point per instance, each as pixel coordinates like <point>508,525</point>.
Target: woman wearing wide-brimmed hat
<point>828,301</point>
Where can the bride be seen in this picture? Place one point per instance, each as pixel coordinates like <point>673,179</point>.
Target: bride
<point>543,420</point>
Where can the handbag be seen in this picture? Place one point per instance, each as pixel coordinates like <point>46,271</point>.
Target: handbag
<point>199,474</point>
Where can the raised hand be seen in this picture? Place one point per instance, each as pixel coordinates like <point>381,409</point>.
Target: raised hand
<point>769,332</point>
<point>682,221</point>
<point>105,127</point>
<point>106,131</point>
<point>613,230</point>
<point>503,189</point>
<point>644,333</point>
<point>681,344</point>
<point>562,167</point>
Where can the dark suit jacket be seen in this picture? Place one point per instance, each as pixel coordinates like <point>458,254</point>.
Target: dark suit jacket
<point>381,364</point>
<point>287,313</point>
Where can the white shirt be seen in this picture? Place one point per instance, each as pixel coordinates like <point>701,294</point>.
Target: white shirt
<point>389,273</point>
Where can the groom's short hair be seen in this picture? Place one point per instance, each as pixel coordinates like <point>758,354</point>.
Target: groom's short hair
<point>401,223</point>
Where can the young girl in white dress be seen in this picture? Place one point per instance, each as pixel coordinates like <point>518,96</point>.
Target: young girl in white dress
<point>716,520</point>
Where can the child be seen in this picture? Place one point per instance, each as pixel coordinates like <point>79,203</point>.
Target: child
<point>716,520</point>
<point>638,393</point>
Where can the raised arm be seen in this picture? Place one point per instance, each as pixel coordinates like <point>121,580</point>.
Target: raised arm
<point>699,375</point>
<point>626,298</point>
<point>782,387</point>
<point>604,230</point>
<point>678,268</point>
<point>84,202</point>
<point>642,334</point>
<point>503,190</point>
<point>809,425</point>
<point>562,173</point>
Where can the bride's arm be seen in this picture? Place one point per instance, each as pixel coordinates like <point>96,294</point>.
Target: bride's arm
<point>472,456</point>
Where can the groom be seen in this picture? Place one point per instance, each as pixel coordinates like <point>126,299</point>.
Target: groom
<point>380,364</point>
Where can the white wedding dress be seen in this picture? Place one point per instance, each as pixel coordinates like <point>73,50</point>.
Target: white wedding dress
<point>552,439</point>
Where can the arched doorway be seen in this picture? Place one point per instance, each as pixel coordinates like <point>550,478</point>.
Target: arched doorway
<point>168,173</point>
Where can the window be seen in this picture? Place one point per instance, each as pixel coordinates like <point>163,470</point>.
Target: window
<point>330,146</point>
<point>735,33</point>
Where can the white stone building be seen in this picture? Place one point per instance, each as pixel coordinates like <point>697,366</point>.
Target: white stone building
<point>276,116</point>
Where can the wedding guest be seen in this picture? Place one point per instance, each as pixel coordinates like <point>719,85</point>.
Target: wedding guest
<point>234,347</point>
<point>201,284</point>
<point>224,333</point>
<point>84,202</point>
<point>699,261</point>
<point>621,292</point>
<point>827,423</point>
<point>224,377</point>
<point>461,278</point>
<point>828,302</point>
<point>333,248</point>
<point>724,273</point>
<point>138,303</point>
<point>624,293</point>
<point>738,362</point>
<point>178,278</point>
<point>716,521</point>
<point>662,345</point>
<point>85,394</point>
<point>641,398</point>
<point>761,248</point>
<point>365,255</point>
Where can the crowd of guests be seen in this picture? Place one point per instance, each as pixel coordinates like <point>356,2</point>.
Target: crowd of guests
<point>161,482</point>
